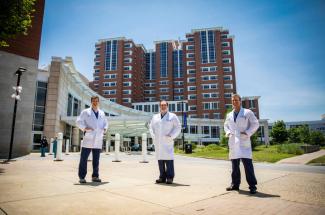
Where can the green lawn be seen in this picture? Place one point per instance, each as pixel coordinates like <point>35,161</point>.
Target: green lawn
<point>318,161</point>
<point>261,154</point>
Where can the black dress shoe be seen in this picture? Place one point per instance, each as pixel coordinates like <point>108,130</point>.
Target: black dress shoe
<point>160,180</point>
<point>169,181</point>
<point>252,191</point>
<point>232,187</point>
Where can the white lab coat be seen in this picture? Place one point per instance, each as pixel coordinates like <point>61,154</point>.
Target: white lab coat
<point>160,130</point>
<point>240,144</point>
<point>92,139</point>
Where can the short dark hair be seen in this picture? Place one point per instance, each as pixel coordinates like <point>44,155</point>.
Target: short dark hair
<point>236,95</point>
<point>163,101</point>
<point>94,97</point>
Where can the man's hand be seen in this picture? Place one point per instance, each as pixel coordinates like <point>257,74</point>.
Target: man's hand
<point>88,129</point>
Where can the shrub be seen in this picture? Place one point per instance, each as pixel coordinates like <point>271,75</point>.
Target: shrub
<point>279,132</point>
<point>290,149</point>
<point>317,138</point>
<point>212,147</point>
<point>194,146</point>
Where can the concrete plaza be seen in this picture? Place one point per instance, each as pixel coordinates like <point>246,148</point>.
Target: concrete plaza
<point>34,185</point>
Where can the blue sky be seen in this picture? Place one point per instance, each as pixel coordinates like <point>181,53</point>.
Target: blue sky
<point>279,45</point>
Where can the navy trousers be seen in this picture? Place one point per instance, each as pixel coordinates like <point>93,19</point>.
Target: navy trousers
<point>166,169</point>
<point>249,172</point>
<point>83,162</point>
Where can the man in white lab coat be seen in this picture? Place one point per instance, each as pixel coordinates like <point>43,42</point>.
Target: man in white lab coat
<point>164,128</point>
<point>92,121</point>
<point>239,126</point>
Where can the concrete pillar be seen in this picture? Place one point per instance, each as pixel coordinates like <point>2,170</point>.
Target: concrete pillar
<point>59,147</point>
<point>51,146</point>
<point>266,134</point>
<point>108,142</point>
<point>75,137</point>
<point>67,146</point>
<point>144,148</point>
<point>117,147</point>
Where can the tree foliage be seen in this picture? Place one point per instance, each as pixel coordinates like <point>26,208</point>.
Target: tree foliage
<point>293,134</point>
<point>317,138</point>
<point>279,132</point>
<point>15,18</point>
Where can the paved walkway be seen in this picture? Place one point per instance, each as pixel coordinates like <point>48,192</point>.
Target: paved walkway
<point>302,159</point>
<point>34,185</point>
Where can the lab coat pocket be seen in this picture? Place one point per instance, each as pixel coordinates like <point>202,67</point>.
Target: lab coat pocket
<point>89,135</point>
<point>169,140</point>
<point>245,141</point>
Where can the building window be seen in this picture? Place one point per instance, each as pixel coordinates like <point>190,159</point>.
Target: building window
<point>109,92</point>
<point>178,64</point>
<point>206,116</point>
<point>164,97</point>
<point>191,80</point>
<point>216,115</point>
<point>147,108</point>
<point>127,45</point>
<point>127,60</point>
<point>191,88</point>
<point>190,55</point>
<point>127,84</point>
<point>190,47</point>
<point>191,97</point>
<point>228,95</point>
<point>109,84</point>
<point>225,44</point>
<point>251,104</point>
<point>39,106</point>
<point>228,86</point>
<point>127,92</point>
<point>126,100</point>
<point>164,90</point>
<point>215,132</point>
<point>208,50</point>
<point>110,76</point>
<point>178,98</point>
<point>190,39</point>
<point>178,83</point>
<point>227,69</point>
<point>226,60</point>
<point>190,63</point>
<point>227,77</point>
<point>192,107</point>
<point>163,60</point>
<point>226,52</point>
<point>193,128</point>
<point>127,68</point>
<point>163,83</point>
<point>191,71</point>
<point>126,76</point>
<point>151,66</point>
<point>111,55</point>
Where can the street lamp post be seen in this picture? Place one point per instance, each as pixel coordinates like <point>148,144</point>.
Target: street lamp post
<point>183,124</point>
<point>15,96</point>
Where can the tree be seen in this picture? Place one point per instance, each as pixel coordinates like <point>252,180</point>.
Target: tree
<point>293,135</point>
<point>304,134</point>
<point>15,18</point>
<point>317,138</point>
<point>254,141</point>
<point>279,132</point>
<point>223,140</point>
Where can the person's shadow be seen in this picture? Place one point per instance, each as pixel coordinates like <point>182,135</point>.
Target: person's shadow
<point>174,185</point>
<point>257,194</point>
<point>93,184</point>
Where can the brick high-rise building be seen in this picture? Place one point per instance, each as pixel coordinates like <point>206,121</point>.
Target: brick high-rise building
<point>199,70</point>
